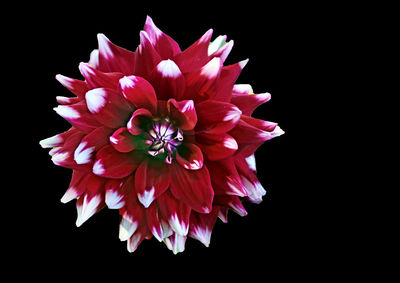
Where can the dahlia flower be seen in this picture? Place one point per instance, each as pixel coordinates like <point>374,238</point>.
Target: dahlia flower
<point>163,135</point>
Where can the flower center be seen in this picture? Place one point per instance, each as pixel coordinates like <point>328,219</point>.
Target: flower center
<point>162,139</point>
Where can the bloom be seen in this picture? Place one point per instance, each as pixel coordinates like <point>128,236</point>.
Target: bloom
<point>163,135</point>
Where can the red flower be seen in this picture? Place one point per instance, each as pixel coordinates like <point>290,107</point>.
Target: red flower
<point>163,135</point>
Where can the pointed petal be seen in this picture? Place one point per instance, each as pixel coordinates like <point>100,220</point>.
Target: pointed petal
<point>251,130</point>
<point>128,226</point>
<point>76,187</point>
<point>67,100</point>
<point>146,57</point>
<point>91,143</point>
<point>216,117</point>
<point>140,92</point>
<point>190,157</point>
<point>134,241</point>
<point>176,243</point>
<point>168,80</point>
<point>227,79</point>
<point>113,58</point>
<point>77,87</point>
<point>216,147</point>
<point>164,44</point>
<point>154,223</point>
<point>201,226</point>
<point>57,140</point>
<point>114,197</point>
<point>95,78</point>
<point>151,180</point>
<point>87,207</point>
<point>232,202</point>
<point>94,59</point>
<point>64,156</point>
<point>223,51</point>
<point>192,187</point>
<point>248,102</point>
<point>113,164</point>
<point>182,113</point>
<point>108,107</point>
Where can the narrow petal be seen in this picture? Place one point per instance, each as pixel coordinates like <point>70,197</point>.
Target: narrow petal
<point>216,117</point>
<point>227,79</point>
<point>248,102</point>
<point>176,243</point>
<point>192,187</point>
<point>113,58</point>
<point>76,187</point>
<point>113,164</point>
<point>201,226</point>
<point>114,197</point>
<point>154,222</point>
<point>168,80</point>
<point>190,157</point>
<point>151,180</point>
<point>216,147</point>
<point>164,44</point>
<point>140,92</point>
<point>64,156</point>
<point>182,113</point>
<point>91,143</point>
<point>57,140</point>
<point>67,100</point>
<point>86,207</point>
<point>77,87</point>
<point>94,59</point>
<point>223,51</point>
<point>232,202</point>
<point>248,131</point>
<point>137,123</point>
<point>141,233</point>
<point>108,107</point>
<point>146,57</point>
<point>95,78</point>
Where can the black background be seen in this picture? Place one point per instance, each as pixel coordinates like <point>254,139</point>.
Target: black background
<point>282,236</point>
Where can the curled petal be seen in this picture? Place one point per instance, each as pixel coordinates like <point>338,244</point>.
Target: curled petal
<point>140,92</point>
<point>64,156</point>
<point>94,59</point>
<point>232,202</point>
<point>183,113</point>
<point>122,140</point>
<point>168,80</point>
<point>250,131</point>
<point>138,121</point>
<point>113,164</point>
<point>112,58</point>
<point>190,157</point>
<point>192,187</point>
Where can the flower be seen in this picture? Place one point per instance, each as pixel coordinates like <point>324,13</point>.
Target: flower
<point>163,135</point>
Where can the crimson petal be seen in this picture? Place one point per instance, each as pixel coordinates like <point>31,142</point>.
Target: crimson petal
<point>77,87</point>
<point>216,147</point>
<point>95,78</point>
<point>227,79</point>
<point>139,117</point>
<point>248,102</point>
<point>183,113</point>
<point>201,226</point>
<point>122,140</point>
<point>190,157</point>
<point>146,56</point>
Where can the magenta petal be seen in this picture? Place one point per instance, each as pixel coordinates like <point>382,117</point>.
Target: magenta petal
<point>248,102</point>
<point>140,92</point>
<point>168,80</point>
<point>190,157</point>
<point>183,113</point>
<point>146,57</point>
<point>216,147</point>
<point>151,180</point>
<point>201,226</point>
<point>113,58</point>
<point>122,140</point>
<point>192,187</point>
<point>77,87</point>
<point>57,140</point>
<point>164,44</point>
<point>95,78</point>
<point>154,222</point>
<point>227,79</point>
<point>114,164</point>
<point>76,187</point>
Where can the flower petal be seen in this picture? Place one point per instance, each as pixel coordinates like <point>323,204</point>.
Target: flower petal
<point>216,117</point>
<point>216,147</point>
<point>114,197</point>
<point>140,92</point>
<point>248,102</point>
<point>183,113</point>
<point>95,78</point>
<point>168,80</point>
<point>113,164</point>
<point>146,57</point>
<point>76,187</point>
<point>77,87</point>
<point>57,140</point>
<point>201,226</point>
<point>113,58</point>
<point>190,157</point>
<point>151,180</point>
<point>164,44</point>
<point>232,202</point>
<point>227,79</point>
<point>108,107</point>
<point>64,156</point>
<point>153,222</point>
<point>192,187</point>
<point>137,123</point>
<point>122,140</point>
<point>176,243</point>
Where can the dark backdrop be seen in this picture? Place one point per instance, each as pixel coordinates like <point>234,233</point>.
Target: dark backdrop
<point>276,237</point>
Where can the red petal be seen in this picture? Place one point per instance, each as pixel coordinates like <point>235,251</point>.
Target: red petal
<point>108,107</point>
<point>114,193</point>
<point>153,222</point>
<point>122,140</point>
<point>250,131</point>
<point>168,80</point>
<point>216,117</point>
<point>67,100</point>
<point>190,157</point>
<point>233,202</point>
<point>151,180</point>
<point>113,164</point>
<point>216,147</point>
<point>183,113</point>
<point>192,187</point>
<point>95,78</point>
<point>78,116</point>
<point>57,140</point>
<point>113,58</point>
<point>196,56</point>
<point>164,44</point>
<point>91,143</point>
<point>201,226</point>
<point>140,92</point>
<point>146,57</point>
<point>225,178</point>
<point>76,187</point>
<point>248,102</point>
<point>77,87</point>
<point>139,119</point>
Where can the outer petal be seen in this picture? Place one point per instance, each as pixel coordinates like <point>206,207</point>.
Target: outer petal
<point>190,157</point>
<point>108,107</point>
<point>77,87</point>
<point>227,79</point>
<point>192,187</point>
<point>201,226</point>
<point>114,195</point>
<point>183,113</point>
<point>77,186</point>
<point>168,80</point>
<point>154,222</point>
<point>146,56</point>
<point>163,44</point>
<point>64,156</point>
<point>95,78</point>
<point>140,92</point>
<point>216,117</point>
<point>232,202</point>
<point>151,180</point>
<point>113,164</point>
<point>176,243</point>
<point>113,58</point>
<point>91,143</point>
<point>248,102</point>
<point>216,147</point>
<point>57,140</point>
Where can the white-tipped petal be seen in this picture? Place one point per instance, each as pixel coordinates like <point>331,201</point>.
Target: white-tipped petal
<point>127,227</point>
<point>114,200</point>
<point>203,234</point>
<point>87,209</point>
<point>178,226</point>
<point>83,155</point>
<point>147,197</point>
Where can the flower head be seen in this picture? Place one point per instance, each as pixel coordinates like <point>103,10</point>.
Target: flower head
<point>163,135</point>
